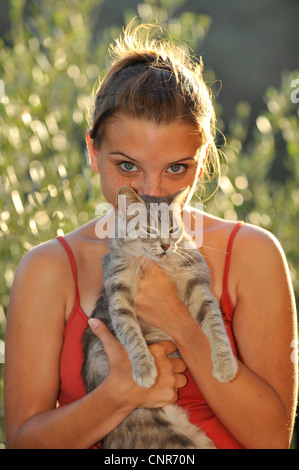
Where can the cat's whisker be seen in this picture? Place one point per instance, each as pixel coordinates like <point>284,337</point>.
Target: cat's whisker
<point>215,249</point>
<point>147,262</point>
<point>184,256</point>
<point>207,256</point>
<point>144,262</point>
<point>207,247</point>
<point>184,253</point>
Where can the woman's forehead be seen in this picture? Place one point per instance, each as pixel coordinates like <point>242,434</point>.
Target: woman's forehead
<point>134,137</point>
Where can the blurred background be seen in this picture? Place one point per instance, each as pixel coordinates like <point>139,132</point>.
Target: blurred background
<point>51,53</point>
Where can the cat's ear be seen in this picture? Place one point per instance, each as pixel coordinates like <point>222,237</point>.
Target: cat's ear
<point>181,197</point>
<point>125,197</point>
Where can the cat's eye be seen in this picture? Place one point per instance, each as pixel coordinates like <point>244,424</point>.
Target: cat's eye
<point>175,231</point>
<point>151,232</point>
<point>127,166</point>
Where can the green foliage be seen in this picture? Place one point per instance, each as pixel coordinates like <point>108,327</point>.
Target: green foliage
<point>48,76</point>
<point>260,179</point>
<point>47,187</point>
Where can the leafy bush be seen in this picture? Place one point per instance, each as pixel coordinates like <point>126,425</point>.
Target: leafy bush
<point>260,178</point>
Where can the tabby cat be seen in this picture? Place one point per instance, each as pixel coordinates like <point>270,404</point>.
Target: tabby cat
<point>168,427</point>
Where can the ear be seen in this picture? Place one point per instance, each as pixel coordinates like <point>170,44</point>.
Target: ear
<point>93,153</point>
<point>181,197</point>
<point>125,197</point>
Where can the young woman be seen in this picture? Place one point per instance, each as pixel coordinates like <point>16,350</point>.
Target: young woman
<point>153,130</point>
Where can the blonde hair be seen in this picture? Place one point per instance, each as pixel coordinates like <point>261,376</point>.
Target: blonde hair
<point>151,78</point>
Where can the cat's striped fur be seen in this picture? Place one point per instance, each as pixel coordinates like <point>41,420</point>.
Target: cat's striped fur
<point>168,427</point>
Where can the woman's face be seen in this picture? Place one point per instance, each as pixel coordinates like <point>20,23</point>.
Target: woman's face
<point>151,159</point>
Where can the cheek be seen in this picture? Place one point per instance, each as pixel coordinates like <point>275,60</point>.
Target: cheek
<point>110,182</point>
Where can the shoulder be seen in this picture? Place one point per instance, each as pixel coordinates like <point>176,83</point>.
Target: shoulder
<point>43,276</point>
<point>257,259</point>
<point>262,276</point>
<point>51,258</point>
<point>258,235</point>
<point>250,244</point>
<point>41,294</point>
<point>255,247</point>
<point>45,260</point>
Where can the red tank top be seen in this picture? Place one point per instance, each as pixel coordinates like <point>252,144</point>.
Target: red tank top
<point>190,398</point>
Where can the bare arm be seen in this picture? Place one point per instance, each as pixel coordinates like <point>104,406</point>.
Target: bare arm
<point>34,341</point>
<point>258,407</point>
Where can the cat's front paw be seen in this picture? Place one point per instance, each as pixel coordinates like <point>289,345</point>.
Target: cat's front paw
<point>145,374</point>
<point>225,371</point>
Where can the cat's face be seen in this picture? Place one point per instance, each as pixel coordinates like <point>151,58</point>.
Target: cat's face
<point>153,225</point>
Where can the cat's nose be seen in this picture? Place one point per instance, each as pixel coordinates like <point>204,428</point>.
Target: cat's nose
<point>165,247</point>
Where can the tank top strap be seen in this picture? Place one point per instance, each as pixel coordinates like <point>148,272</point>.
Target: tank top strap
<point>73,266</point>
<point>228,257</point>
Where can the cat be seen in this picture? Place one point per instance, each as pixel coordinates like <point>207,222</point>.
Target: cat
<point>178,255</point>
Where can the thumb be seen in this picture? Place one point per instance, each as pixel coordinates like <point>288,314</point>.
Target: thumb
<point>103,333</point>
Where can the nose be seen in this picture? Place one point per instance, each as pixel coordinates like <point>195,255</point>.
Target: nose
<point>165,247</point>
<point>151,187</point>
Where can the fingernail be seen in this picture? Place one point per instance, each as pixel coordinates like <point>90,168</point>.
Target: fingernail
<point>94,323</point>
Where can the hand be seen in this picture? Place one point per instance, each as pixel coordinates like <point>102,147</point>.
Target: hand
<point>170,376</point>
<point>158,302</point>
<point>170,370</point>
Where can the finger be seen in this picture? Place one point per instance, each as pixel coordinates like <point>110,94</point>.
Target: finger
<point>164,347</point>
<point>180,381</point>
<point>175,396</point>
<point>178,366</point>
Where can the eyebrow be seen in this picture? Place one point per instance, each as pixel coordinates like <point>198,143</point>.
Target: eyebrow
<point>124,155</point>
<point>136,161</point>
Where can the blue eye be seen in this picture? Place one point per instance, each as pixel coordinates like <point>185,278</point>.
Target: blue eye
<point>127,166</point>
